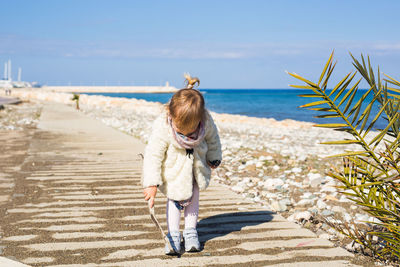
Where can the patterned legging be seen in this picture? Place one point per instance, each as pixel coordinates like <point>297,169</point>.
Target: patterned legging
<point>191,212</point>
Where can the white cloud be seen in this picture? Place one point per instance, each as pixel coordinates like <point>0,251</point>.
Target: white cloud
<point>13,44</point>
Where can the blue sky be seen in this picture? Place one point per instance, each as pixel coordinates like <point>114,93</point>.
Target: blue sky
<point>227,44</point>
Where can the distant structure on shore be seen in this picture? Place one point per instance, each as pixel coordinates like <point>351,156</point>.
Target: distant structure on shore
<point>167,88</point>
<point>8,83</point>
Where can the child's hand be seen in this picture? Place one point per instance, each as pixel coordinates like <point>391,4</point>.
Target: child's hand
<point>149,194</point>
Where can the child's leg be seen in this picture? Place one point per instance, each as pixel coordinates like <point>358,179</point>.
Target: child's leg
<point>173,216</point>
<point>192,210</point>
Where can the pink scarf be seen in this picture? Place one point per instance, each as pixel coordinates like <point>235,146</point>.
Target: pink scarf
<point>191,141</point>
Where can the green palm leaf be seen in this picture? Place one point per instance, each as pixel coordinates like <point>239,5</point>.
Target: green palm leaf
<point>370,179</point>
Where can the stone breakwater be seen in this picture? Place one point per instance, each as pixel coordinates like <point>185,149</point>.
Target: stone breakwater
<point>278,164</point>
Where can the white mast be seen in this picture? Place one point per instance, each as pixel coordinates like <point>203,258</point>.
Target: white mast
<point>19,74</point>
<point>5,71</point>
<point>9,70</point>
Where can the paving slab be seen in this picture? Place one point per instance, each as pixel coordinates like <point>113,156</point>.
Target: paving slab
<point>83,206</point>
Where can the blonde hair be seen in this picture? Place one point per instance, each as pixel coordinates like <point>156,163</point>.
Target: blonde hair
<point>186,108</point>
<point>190,81</point>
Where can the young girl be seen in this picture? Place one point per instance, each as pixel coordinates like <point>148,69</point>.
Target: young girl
<point>182,148</point>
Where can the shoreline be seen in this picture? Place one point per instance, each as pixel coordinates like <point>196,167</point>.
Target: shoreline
<point>110,89</point>
<point>224,117</point>
<point>303,137</point>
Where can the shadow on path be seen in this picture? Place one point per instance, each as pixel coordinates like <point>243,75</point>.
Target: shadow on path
<point>226,223</point>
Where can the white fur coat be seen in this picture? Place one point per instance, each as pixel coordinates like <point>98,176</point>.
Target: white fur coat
<point>167,166</point>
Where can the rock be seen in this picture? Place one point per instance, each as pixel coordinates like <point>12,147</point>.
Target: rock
<point>327,213</point>
<point>313,211</point>
<point>353,247</point>
<point>328,189</point>
<point>259,164</point>
<point>330,197</point>
<point>296,170</point>
<point>361,218</point>
<point>338,209</point>
<point>250,162</point>
<point>241,167</point>
<point>278,206</point>
<point>286,201</point>
<point>272,184</point>
<point>238,189</point>
<point>321,204</point>
<point>302,216</point>
<point>302,157</point>
<point>315,179</point>
<point>374,220</point>
<point>344,199</point>
<point>275,167</point>
<point>313,175</point>
<point>305,202</point>
<point>291,218</point>
<point>251,195</point>
<point>316,182</point>
<point>347,217</point>
<point>270,195</point>
<point>308,195</point>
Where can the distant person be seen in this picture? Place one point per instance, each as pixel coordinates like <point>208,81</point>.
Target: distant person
<point>8,91</point>
<point>182,149</point>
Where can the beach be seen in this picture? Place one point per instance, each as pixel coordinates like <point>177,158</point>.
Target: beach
<point>277,164</point>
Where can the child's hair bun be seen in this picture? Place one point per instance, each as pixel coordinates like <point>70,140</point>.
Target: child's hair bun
<point>190,81</point>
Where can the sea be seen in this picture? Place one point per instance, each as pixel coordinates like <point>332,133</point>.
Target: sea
<point>279,104</point>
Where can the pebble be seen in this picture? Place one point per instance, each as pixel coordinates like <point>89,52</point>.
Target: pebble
<point>321,204</point>
<point>238,189</point>
<point>347,217</point>
<point>286,202</point>
<point>259,164</point>
<point>354,247</point>
<point>327,213</point>
<point>361,218</point>
<point>344,199</point>
<point>328,189</point>
<point>300,216</point>
<point>308,195</point>
<point>305,202</point>
<point>270,195</point>
<point>272,184</point>
<point>315,179</point>
<point>296,170</point>
<point>338,209</point>
<point>278,206</point>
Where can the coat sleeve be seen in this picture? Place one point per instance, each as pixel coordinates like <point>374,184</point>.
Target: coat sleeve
<point>154,155</point>
<point>212,139</point>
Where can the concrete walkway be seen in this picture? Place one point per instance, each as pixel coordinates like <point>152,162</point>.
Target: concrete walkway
<point>9,100</point>
<point>82,205</point>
